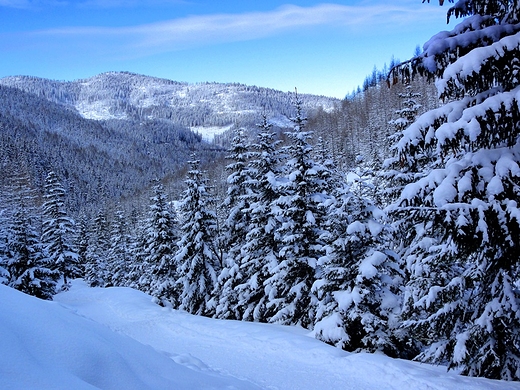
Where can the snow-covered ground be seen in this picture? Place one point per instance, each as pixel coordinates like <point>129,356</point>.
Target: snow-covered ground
<point>208,133</point>
<point>116,338</point>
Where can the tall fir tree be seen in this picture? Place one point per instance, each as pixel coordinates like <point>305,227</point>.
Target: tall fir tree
<point>197,254</point>
<point>58,232</point>
<point>160,249</point>
<point>301,210</point>
<point>462,298</point>
<point>96,264</point>
<point>27,263</point>
<point>235,228</point>
<point>121,247</point>
<point>260,251</point>
<point>139,269</point>
<point>395,173</point>
<point>82,241</point>
<point>4,275</point>
<point>358,288</point>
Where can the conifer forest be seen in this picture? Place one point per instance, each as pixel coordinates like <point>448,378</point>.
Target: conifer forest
<point>385,222</point>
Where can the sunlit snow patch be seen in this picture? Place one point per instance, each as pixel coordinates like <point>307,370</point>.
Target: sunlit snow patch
<point>208,133</point>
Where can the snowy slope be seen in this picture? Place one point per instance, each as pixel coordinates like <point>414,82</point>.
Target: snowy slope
<point>100,338</point>
<point>47,346</point>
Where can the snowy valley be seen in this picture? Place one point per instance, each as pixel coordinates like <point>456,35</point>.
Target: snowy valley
<point>368,243</point>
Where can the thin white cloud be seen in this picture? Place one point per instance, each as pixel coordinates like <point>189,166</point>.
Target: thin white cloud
<point>195,31</point>
<point>206,29</point>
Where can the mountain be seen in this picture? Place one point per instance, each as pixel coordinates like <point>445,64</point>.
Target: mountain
<point>129,96</point>
<point>108,136</point>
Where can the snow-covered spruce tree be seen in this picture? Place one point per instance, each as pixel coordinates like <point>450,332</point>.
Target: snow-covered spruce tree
<point>82,240</point>
<point>196,254</point>
<point>235,228</point>
<point>96,267</point>
<point>138,266</point>
<point>301,210</point>
<point>359,279</point>
<point>260,251</point>
<point>160,249</point>
<point>463,298</point>
<point>4,227</point>
<point>120,252</point>
<point>394,174</point>
<point>330,177</point>
<point>58,232</point>
<point>27,263</point>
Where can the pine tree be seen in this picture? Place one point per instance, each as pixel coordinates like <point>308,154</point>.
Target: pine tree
<point>395,173</point>
<point>96,267</point>
<point>139,269</point>
<point>197,253</point>
<point>235,227</point>
<point>27,263</point>
<point>82,241</point>
<point>58,232</point>
<point>301,212</point>
<point>4,275</point>
<point>462,300</point>
<point>120,252</point>
<point>5,231</point>
<point>260,251</point>
<point>358,286</point>
<point>160,249</point>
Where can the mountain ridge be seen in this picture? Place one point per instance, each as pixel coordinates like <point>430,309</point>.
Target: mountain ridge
<point>126,95</point>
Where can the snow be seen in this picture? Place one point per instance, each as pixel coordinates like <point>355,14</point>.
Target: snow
<point>471,31</point>
<point>208,133</point>
<point>471,63</point>
<point>367,268</point>
<point>98,110</point>
<point>116,338</point>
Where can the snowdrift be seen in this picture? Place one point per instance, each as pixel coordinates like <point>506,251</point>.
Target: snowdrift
<point>45,345</point>
<point>116,338</point>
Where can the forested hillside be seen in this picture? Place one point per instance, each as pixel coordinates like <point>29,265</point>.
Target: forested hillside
<point>97,160</point>
<point>109,136</point>
<point>121,95</point>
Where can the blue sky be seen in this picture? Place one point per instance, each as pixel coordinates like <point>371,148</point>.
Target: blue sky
<point>321,48</point>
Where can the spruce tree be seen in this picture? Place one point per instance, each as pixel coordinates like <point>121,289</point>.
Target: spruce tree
<point>139,269</point>
<point>395,173</point>
<point>197,253</point>
<point>359,279</point>
<point>82,241</point>
<point>27,264</point>
<point>96,267</point>
<point>236,227</point>
<point>120,252</point>
<point>260,251</point>
<point>58,232</point>
<point>301,210</point>
<point>160,248</point>
<point>462,298</point>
